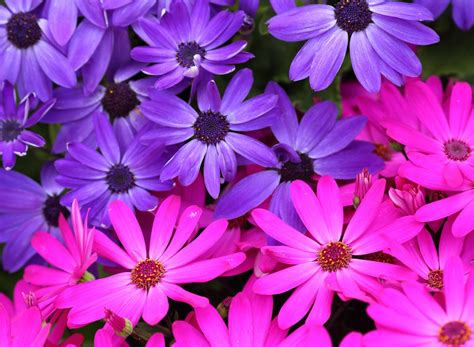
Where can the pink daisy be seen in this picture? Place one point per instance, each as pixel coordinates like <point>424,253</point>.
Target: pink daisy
<point>249,323</point>
<point>331,257</point>
<point>440,147</point>
<point>413,317</point>
<point>423,257</point>
<point>153,276</point>
<point>70,261</point>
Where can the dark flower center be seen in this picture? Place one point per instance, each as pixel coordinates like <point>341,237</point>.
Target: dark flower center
<point>10,130</point>
<point>383,151</point>
<point>353,15</point>
<point>52,209</point>
<point>457,150</point>
<point>187,51</point>
<point>120,179</point>
<point>381,257</point>
<point>211,127</point>
<point>454,334</point>
<point>297,171</point>
<point>435,279</point>
<point>334,256</point>
<point>23,30</point>
<point>119,100</point>
<point>147,273</point>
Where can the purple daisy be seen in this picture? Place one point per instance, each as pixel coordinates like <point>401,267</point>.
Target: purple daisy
<point>184,42</point>
<point>119,99</point>
<point>14,122</point>
<point>97,179</point>
<point>212,134</point>
<point>463,10</point>
<point>105,29</point>
<point>317,145</point>
<point>28,55</point>
<point>378,32</point>
<point>25,208</point>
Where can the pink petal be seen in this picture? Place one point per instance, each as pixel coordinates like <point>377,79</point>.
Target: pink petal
<point>449,245</point>
<point>53,251</point>
<point>128,230</point>
<point>284,280</point>
<point>200,245</point>
<point>348,285</point>
<point>464,223</point>
<point>321,310</point>
<point>396,339</point>
<point>288,255</point>
<point>310,211</point>
<point>308,335</point>
<point>156,340</point>
<point>212,326</point>
<point>424,301</point>
<point>453,279</point>
<point>240,321</point>
<point>383,270</point>
<point>452,175</point>
<point>331,204</point>
<point>428,249</point>
<point>163,225</point>
<point>177,293</point>
<point>365,213</point>
<point>156,305</point>
<point>45,276</point>
<point>108,249</point>
<point>279,230</point>
<point>444,207</point>
<point>186,335</point>
<point>186,226</point>
<point>412,138</point>
<point>460,108</point>
<point>204,270</point>
<point>299,303</point>
<point>469,301</point>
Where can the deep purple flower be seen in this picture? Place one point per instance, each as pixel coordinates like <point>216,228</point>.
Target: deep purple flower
<point>185,41</point>
<point>97,179</point>
<point>25,208</point>
<point>14,122</point>
<point>119,99</point>
<point>463,10</point>
<point>317,145</point>
<point>105,30</point>
<point>212,134</point>
<point>28,55</point>
<point>379,33</point>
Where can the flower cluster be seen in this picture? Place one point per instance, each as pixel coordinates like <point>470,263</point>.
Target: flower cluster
<point>164,184</point>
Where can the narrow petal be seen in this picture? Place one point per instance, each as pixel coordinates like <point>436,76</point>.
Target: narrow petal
<point>156,306</point>
<point>365,61</point>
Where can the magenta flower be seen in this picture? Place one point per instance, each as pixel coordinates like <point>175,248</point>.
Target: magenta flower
<point>70,261</point>
<point>151,275</point>
<point>249,323</point>
<point>330,258</point>
<point>413,317</point>
<point>428,261</point>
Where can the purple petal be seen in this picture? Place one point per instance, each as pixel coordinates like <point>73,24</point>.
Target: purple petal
<point>32,139</point>
<point>253,108</point>
<point>226,52</point>
<point>393,52</point>
<point>54,64</point>
<point>237,90</point>
<point>463,14</point>
<point>209,97</point>
<point>78,53</point>
<point>8,157</point>
<point>328,58</point>
<point>9,103</point>
<point>62,20</point>
<point>402,10</point>
<point>317,122</point>
<point>300,67</point>
<point>200,16</point>
<point>33,78</point>
<point>106,139</point>
<point>211,172</point>
<point>302,23</point>
<point>170,111</point>
<point>436,7</point>
<point>177,21</point>
<point>93,11</point>
<point>48,179</point>
<point>227,161</point>
<point>142,200</point>
<point>173,166</point>
<point>40,113</point>
<point>5,15</point>
<point>87,156</point>
<point>250,192</point>
<point>192,163</point>
<point>365,62</point>
<point>170,80</point>
<point>155,34</point>
<point>129,14</point>
<point>161,68</point>
<point>168,136</point>
<point>153,54</point>
<point>347,163</point>
<point>251,149</point>
<point>220,29</point>
<point>72,169</point>
<point>343,133</point>
<point>408,31</point>
<point>10,60</point>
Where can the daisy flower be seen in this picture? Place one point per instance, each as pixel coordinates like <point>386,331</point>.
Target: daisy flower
<point>32,60</point>
<point>378,33</point>
<point>185,41</point>
<point>14,123</point>
<point>119,99</point>
<point>412,317</point>
<point>25,208</point>
<point>96,179</point>
<point>212,134</point>
<point>70,261</point>
<point>153,275</point>
<point>317,145</point>
<point>463,10</point>
<point>330,258</point>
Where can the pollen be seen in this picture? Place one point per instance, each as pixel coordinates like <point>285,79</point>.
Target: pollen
<point>454,334</point>
<point>334,256</point>
<point>147,273</point>
<point>435,279</point>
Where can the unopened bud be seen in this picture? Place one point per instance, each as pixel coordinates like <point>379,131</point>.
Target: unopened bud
<point>362,185</point>
<point>30,299</point>
<point>122,326</point>
<point>408,196</point>
<point>87,277</point>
